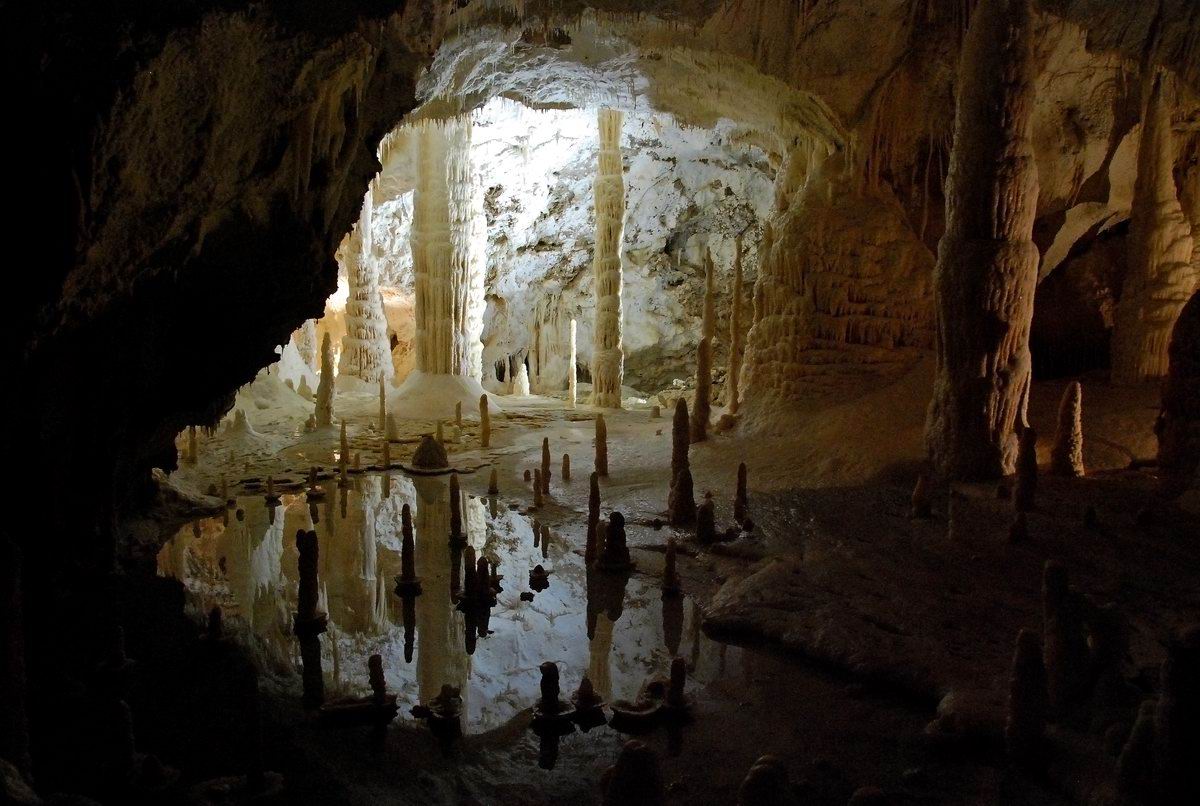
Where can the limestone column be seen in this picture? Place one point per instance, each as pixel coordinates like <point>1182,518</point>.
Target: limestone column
<point>607,358</point>
<point>366,353</point>
<point>733,376</point>
<point>1160,276</point>
<point>571,381</point>
<point>448,240</point>
<point>987,261</point>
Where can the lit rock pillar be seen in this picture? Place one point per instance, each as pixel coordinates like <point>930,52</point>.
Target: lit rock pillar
<point>448,240</point>
<point>1160,276</point>
<point>607,358</point>
<point>987,261</point>
<point>366,353</point>
<point>305,339</point>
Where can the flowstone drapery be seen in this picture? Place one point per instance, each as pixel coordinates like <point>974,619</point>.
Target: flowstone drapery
<point>987,261</point>
<point>607,357</point>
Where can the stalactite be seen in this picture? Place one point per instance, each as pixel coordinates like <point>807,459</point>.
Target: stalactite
<point>571,372</point>
<point>1066,457</point>
<point>702,403</point>
<point>735,331</point>
<point>601,446</point>
<point>987,261</point>
<point>366,353</point>
<point>1160,276</point>
<point>324,403</point>
<point>607,357</point>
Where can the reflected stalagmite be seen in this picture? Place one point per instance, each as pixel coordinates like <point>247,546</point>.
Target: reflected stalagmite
<point>1066,457</point>
<point>1177,720</point>
<point>1064,643</point>
<point>987,261</point>
<point>309,624</point>
<point>682,503</point>
<point>456,527</point>
<point>1024,730</point>
<point>593,519</point>
<point>485,423</point>
<point>1025,492</point>
<point>408,583</point>
<point>706,522</point>
<point>670,581</point>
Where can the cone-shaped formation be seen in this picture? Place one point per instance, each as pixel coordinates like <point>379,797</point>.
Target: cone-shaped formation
<point>987,261</point>
<point>1064,649</point>
<point>766,784</point>
<point>670,582</point>
<point>324,403</point>
<point>679,439</point>
<point>681,503</point>
<point>407,584</point>
<point>572,381</point>
<point>493,483</point>
<point>343,446</point>
<point>430,455</point>
<point>1025,493</point>
<point>1066,457</point>
<point>601,446</point>
<point>365,353</point>
<point>635,780</point>
<point>733,376</point>
<point>706,520</point>
<point>566,467</point>
<point>537,487</point>
<point>614,555</point>
<point>1178,426</point>
<point>546,465</point>
<point>485,423</point>
<point>458,414</point>
<point>1025,727</point>
<point>608,360</point>
<point>1160,276</point>
<point>741,498</point>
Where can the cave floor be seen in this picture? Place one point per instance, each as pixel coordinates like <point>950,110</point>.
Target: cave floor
<point>830,635</point>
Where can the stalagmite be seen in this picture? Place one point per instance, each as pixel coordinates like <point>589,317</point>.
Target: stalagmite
<point>1024,730</point>
<point>741,498</point>
<point>485,422</point>
<point>607,357</point>
<point>1066,457</point>
<point>344,447</point>
<point>537,488</point>
<point>670,581</point>
<point>701,403</point>
<point>566,467</point>
<point>1160,276</point>
<point>1178,425</point>
<point>1064,643</point>
<point>601,446</point>
<point>448,239</point>
<point>521,381</point>
<point>458,414</point>
<point>708,321</point>
<point>572,381</point>
<point>635,779</point>
<point>733,376</point>
<point>324,403</point>
<point>682,503</point>
<point>987,261</point>
<point>546,465</point>
<point>679,439</point>
<point>493,483</point>
<point>1025,492</point>
<point>706,521</point>
<point>366,353</point>
<point>921,505</point>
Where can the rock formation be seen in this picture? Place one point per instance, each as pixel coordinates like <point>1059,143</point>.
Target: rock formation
<point>735,332</point>
<point>1025,491</point>
<point>324,403</point>
<point>593,519</point>
<point>566,467</point>
<point>572,381</point>
<point>493,483</point>
<point>305,339</point>
<point>485,422</point>
<point>546,465</point>
<point>1178,425</point>
<point>1025,727</point>
<point>987,261</point>
<point>681,503</point>
<point>607,354</point>
<point>365,352</point>
<point>1160,276</point>
<point>601,446</point>
<point>921,506</point>
<point>679,439</point>
<point>706,519</point>
<point>1066,457</point>
<point>635,780</point>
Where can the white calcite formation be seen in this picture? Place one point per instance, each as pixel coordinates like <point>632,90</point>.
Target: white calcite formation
<point>736,347</point>
<point>608,360</point>
<point>987,261</point>
<point>572,383</point>
<point>1161,276</point>
<point>447,239</point>
<point>365,352</point>
<point>324,404</point>
<point>305,341</point>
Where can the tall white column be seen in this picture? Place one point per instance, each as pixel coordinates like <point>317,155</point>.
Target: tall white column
<point>607,357</point>
<point>366,353</point>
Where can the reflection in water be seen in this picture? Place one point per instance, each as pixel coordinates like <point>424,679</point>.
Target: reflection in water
<point>249,568</point>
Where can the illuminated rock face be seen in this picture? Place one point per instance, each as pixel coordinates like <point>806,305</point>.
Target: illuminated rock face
<point>987,261</point>
<point>365,351</point>
<point>1161,275</point>
<point>608,360</point>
